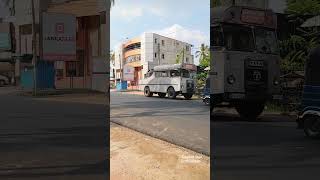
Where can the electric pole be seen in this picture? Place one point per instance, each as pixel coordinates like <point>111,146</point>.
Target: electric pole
<point>34,43</point>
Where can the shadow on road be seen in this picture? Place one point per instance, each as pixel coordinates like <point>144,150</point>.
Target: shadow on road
<point>55,152</point>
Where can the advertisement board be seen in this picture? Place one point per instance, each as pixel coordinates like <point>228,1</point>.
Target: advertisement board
<point>128,73</point>
<point>59,37</point>
<point>5,37</point>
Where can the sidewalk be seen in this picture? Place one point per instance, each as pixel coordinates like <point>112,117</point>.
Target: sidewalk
<point>136,156</point>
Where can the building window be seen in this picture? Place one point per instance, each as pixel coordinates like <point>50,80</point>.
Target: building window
<point>187,48</point>
<point>155,40</point>
<point>162,42</point>
<point>132,47</point>
<point>155,55</point>
<point>187,60</point>
<point>133,58</point>
<point>162,56</point>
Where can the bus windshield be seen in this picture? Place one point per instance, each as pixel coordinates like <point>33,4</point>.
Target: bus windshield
<point>266,41</point>
<point>242,38</point>
<point>238,38</point>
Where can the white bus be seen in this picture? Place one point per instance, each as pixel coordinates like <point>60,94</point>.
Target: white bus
<point>245,61</point>
<point>173,80</point>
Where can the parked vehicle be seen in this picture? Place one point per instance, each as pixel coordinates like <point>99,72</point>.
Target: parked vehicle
<point>4,80</point>
<point>206,93</point>
<point>309,115</point>
<point>170,80</point>
<point>245,61</point>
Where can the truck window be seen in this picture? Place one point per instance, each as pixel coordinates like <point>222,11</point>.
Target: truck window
<point>239,38</point>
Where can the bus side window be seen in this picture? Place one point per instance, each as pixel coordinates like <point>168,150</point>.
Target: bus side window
<point>157,74</point>
<point>164,74</point>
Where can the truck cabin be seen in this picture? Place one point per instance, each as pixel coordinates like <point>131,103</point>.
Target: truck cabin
<point>244,29</point>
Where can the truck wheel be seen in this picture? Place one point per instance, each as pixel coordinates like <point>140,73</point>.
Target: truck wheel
<point>250,110</point>
<point>188,96</point>
<point>171,93</point>
<point>162,95</point>
<point>147,92</point>
<point>311,126</point>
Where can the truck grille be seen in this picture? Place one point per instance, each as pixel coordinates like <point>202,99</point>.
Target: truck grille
<point>256,77</point>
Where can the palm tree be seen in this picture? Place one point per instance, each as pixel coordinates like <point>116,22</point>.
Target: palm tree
<point>204,55</point>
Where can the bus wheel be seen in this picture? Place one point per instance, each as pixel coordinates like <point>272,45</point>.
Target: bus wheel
<point>250,110</point>
<point>162,95</point>
<point>188,96</point>
<point>171,93</point>
<point>311,126</point>
<point>147,92</point>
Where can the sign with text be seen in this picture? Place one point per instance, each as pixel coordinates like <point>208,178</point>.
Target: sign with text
<point>128,73</point>
<point>253,16</point>
<point>59,37</point>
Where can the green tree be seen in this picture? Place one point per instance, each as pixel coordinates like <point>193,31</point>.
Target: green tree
<point>294,51</point>
<point>204,59</point>
<point>204,55</point>
<point>303,7</point>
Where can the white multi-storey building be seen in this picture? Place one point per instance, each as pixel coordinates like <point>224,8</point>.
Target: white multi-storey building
<point>149,50</point>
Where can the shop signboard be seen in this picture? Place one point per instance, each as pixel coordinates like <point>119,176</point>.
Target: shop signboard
<point>128,73</point>
<point>59,37</point>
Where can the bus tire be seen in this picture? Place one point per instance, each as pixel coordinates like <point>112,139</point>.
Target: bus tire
<point>250,110</point>
<point>147,92</point>
<point>171,93</point>
<point>188,96</point>
<point>162,95</point>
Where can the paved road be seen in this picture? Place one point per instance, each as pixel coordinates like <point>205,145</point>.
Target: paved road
<point>182,122</point>
<point>51,140</point>
<point>269,149</point>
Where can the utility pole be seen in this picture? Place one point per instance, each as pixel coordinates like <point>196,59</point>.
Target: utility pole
<point>34,42</point>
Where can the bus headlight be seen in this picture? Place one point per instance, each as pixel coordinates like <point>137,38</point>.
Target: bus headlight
<point>231,79</point>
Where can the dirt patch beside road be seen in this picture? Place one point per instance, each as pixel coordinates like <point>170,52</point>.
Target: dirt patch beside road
<point>137,156</point>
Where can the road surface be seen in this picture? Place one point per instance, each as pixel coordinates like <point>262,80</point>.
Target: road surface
<point>51,140</point>
<point>269,149</point>
<point>182,122</point>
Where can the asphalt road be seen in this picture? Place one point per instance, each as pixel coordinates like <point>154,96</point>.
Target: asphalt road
<point>182,122</point>
<point>52,140</point>
<point>271,148</point>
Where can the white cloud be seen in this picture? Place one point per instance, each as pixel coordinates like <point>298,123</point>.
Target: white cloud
<point>128,13</point>
<point>129,10</point>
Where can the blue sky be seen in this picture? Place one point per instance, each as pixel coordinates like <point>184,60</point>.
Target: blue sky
<point>184,20</point>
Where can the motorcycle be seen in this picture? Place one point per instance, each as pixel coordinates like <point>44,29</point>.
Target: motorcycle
<point>309,112</point>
